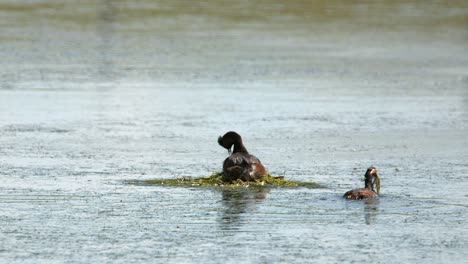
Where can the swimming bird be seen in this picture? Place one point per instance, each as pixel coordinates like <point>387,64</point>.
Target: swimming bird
<point>372,178</point>
<point>240,164</point>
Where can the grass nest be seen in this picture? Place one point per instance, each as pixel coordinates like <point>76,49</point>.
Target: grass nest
<point>216,180</point>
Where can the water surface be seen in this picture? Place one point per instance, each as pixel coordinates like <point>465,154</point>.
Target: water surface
<point>96,93</point>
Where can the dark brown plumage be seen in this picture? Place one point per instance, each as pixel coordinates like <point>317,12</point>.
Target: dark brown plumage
<point>240,164</point>
<point>372,178</point>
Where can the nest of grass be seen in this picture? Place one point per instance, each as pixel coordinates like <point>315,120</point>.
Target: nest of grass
<point>216,180</point>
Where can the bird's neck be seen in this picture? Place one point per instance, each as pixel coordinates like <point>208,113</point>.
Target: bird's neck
<point>239,147</point>
<point>369,185</point>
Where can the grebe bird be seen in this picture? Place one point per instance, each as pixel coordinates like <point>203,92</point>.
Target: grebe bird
<point>240,164</point>
<point>372,178</point>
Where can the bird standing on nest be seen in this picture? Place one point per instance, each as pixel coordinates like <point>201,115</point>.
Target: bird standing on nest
<point>240,164</point>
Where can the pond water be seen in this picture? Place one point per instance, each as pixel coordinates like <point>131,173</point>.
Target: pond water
<point>96,93</point>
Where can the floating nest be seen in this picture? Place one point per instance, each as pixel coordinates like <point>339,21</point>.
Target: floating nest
<point>216,180</point>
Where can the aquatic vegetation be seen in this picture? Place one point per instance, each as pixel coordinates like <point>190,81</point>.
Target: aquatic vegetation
<point>216,180</point>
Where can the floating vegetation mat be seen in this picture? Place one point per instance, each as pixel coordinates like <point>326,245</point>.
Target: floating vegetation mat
<point>215,180</point>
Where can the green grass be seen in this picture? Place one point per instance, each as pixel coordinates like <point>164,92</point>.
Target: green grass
<point>215,180</point>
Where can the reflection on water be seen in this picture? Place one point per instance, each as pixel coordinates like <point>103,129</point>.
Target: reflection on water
<point>238,202</point>
<point>226,41</point>
<point>173,13</point>
<point>371,210</point>
<point>105,30</point>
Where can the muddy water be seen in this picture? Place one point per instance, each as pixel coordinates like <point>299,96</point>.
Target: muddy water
<point>97,93</point>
